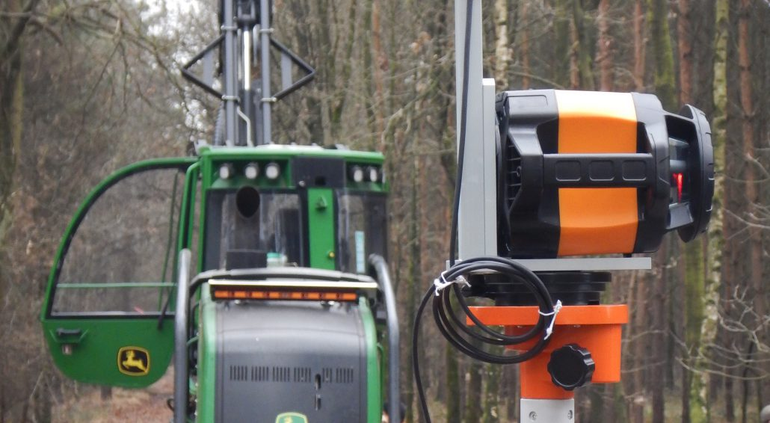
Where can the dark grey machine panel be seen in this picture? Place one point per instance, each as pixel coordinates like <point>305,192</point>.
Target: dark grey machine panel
<point>277,357</point>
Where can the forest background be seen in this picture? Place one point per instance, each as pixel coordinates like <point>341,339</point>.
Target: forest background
<point>87,86</point>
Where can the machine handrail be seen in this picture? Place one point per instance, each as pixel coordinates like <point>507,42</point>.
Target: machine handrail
<point>383,278</point>
<point>181,385</point>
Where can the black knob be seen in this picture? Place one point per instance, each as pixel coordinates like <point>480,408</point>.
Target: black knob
<point>571,367</point>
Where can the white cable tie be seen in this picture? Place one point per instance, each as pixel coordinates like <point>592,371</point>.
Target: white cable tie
<point>440,283</point>
<point>556,310</point>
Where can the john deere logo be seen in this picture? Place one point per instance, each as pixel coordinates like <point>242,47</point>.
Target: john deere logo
<point>133,361</point>
<point>291,418</point>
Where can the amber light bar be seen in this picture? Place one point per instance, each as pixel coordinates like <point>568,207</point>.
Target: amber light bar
<point>230,294</point>
<point>291,290</point>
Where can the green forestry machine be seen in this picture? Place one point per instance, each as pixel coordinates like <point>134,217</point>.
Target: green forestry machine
<point>258,268</point>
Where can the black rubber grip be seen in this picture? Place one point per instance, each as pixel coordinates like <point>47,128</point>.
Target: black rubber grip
<point>599,170</point>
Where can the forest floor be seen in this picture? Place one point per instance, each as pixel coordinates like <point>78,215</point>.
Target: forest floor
<point>125,405</point>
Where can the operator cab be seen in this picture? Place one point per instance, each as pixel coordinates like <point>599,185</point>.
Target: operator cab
<point>310,211</point>
<point>319,212</point>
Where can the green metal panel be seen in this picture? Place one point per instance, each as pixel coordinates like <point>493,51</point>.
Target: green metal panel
<point>104,348</point>
<point>373,392</point>
<point>186,223</point>
<point>93,355</point>
<point>321,217</point>
<point>207,358</point>
<point>115,285</point>
<point>287,152</point>
<point>206,179</point>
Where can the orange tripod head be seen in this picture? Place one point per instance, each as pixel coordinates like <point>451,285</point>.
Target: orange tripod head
<point>584,347</point>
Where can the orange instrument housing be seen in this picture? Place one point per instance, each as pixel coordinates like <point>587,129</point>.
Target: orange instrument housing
<point>583,173</point>
<point>595,328</point>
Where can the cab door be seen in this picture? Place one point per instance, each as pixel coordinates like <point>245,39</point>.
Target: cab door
<point>108,311</point>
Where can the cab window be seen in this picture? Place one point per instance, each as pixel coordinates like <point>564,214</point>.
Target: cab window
<point>247,228</point>
<point>120,258</point>
<point>362,229</point>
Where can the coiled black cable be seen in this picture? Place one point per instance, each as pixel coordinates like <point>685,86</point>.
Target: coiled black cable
<point>452,327</point>
<point>502,266</point>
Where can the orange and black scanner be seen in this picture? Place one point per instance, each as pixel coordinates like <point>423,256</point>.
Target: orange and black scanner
<point>582,173</point>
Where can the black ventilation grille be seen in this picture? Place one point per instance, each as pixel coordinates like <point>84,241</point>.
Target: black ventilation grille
<point>302,374</point>
<point>281,374</point>
<point>290,374</point>
<point>260,373</point>
<point>240,373</point>
<point>344,375</point>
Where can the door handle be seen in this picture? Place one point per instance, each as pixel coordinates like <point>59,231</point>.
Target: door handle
<point>68,336</point>
<point>61,332</point>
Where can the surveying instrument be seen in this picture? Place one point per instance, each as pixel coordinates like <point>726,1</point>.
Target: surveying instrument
<point>546,178</point>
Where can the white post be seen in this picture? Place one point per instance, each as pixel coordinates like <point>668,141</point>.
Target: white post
<point>547,411</point>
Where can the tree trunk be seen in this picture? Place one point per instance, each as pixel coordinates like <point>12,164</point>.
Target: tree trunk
<point>659,327</point>
<point>694,266</point>
<point>415,273</point>
<point>640,354</point>
<point>639,45</point>
<point>606,74</point>
<point>380,63</point>
<point>453,386</point>
<point>665,87</point>
<point>727,259</point>
<point>502,45</point>
<point>492,393</point>
<point>511,392</point>
<point>581,52</point>
<point>526,70</point>
<point>694,292</point>
<point>11,106</point>
<point>574,61</point>
<point>368,75</point>
<point>732,272</point>
<point>473,392</point>
<point>562,44</point>
<point>338,102</point>
<point>752,157</point>
<point>684,33</point>
<point>11,109</point>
